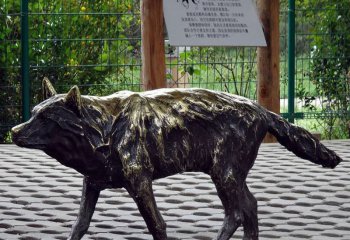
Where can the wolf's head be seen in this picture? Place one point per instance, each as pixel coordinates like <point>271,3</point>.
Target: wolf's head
<point>56,128</point>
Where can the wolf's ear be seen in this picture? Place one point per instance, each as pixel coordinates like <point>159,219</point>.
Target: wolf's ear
<point>73,100</point>
<point>47,89</point>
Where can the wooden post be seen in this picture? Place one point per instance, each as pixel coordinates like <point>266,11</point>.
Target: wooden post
<point>153,52</point>
<point>268,59</point>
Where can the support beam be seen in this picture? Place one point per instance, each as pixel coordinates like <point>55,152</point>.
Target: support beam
<point>153,53</point>
<point>25,81</point>
<point>268,58</point>
<point>291,60</point>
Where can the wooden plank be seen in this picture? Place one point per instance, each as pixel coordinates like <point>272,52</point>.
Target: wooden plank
<point>268,59</point>
<point>153,53</point>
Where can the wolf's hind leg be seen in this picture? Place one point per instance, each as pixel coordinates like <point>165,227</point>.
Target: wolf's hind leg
<point>87,207</point>
<point>250,215</point>
<point>230,196</point>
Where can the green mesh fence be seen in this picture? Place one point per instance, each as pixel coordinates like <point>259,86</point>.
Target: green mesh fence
<point>226,69</point>
<point>10,102</point>
<point>96,45</point>
<point>323,66</point>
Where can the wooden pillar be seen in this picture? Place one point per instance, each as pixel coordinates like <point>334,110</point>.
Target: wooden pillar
<point>153,53</point>
<point>268,58</point>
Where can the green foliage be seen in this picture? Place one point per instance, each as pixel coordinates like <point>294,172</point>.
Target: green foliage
<point>229,69</point>
<point>92,44</point>
<point>9,71</point>
<point>331,61</point>
<point>85,39</point>
<point>96,45</point>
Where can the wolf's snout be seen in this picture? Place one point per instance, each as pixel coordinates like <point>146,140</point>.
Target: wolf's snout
<point>15,131</point>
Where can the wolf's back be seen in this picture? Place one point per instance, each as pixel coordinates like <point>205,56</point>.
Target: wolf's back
<point>301,142</point>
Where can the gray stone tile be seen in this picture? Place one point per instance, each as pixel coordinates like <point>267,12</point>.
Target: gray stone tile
<point>39,199</point>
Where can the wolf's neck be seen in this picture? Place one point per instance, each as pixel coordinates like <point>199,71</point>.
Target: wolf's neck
<point>97,124</point>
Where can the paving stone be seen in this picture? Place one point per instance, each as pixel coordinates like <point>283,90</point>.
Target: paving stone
<point>39,199</point>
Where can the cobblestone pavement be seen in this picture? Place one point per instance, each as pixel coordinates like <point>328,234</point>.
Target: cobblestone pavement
<point>39,199</point>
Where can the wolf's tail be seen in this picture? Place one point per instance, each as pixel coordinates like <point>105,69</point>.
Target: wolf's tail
<point>301,142</point>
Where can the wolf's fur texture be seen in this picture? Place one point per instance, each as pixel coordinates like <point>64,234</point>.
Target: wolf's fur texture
<point>129,139</point>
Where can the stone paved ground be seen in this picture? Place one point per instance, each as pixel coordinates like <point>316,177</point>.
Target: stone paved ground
<point>297,200</point>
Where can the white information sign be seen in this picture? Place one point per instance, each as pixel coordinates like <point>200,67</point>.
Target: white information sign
<point>213,23</point>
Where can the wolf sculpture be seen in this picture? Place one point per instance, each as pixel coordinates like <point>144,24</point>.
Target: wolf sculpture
<point>128,139</point>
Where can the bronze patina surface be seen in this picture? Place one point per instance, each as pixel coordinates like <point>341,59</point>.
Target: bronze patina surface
<point>129,139</point>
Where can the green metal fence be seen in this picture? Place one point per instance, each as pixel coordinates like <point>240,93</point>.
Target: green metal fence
<point>96,45</point>
<point>322,66</point>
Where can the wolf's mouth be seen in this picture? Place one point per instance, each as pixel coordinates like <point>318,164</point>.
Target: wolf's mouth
<point>23,142</point>
<point>15,137</point>
<point>17,140</point>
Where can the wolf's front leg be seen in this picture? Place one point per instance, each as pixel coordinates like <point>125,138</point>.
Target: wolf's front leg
<point>87,207</point>
<point>142,193</point>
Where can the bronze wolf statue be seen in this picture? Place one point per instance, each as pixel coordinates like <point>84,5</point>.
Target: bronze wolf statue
<point>128,139</point>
